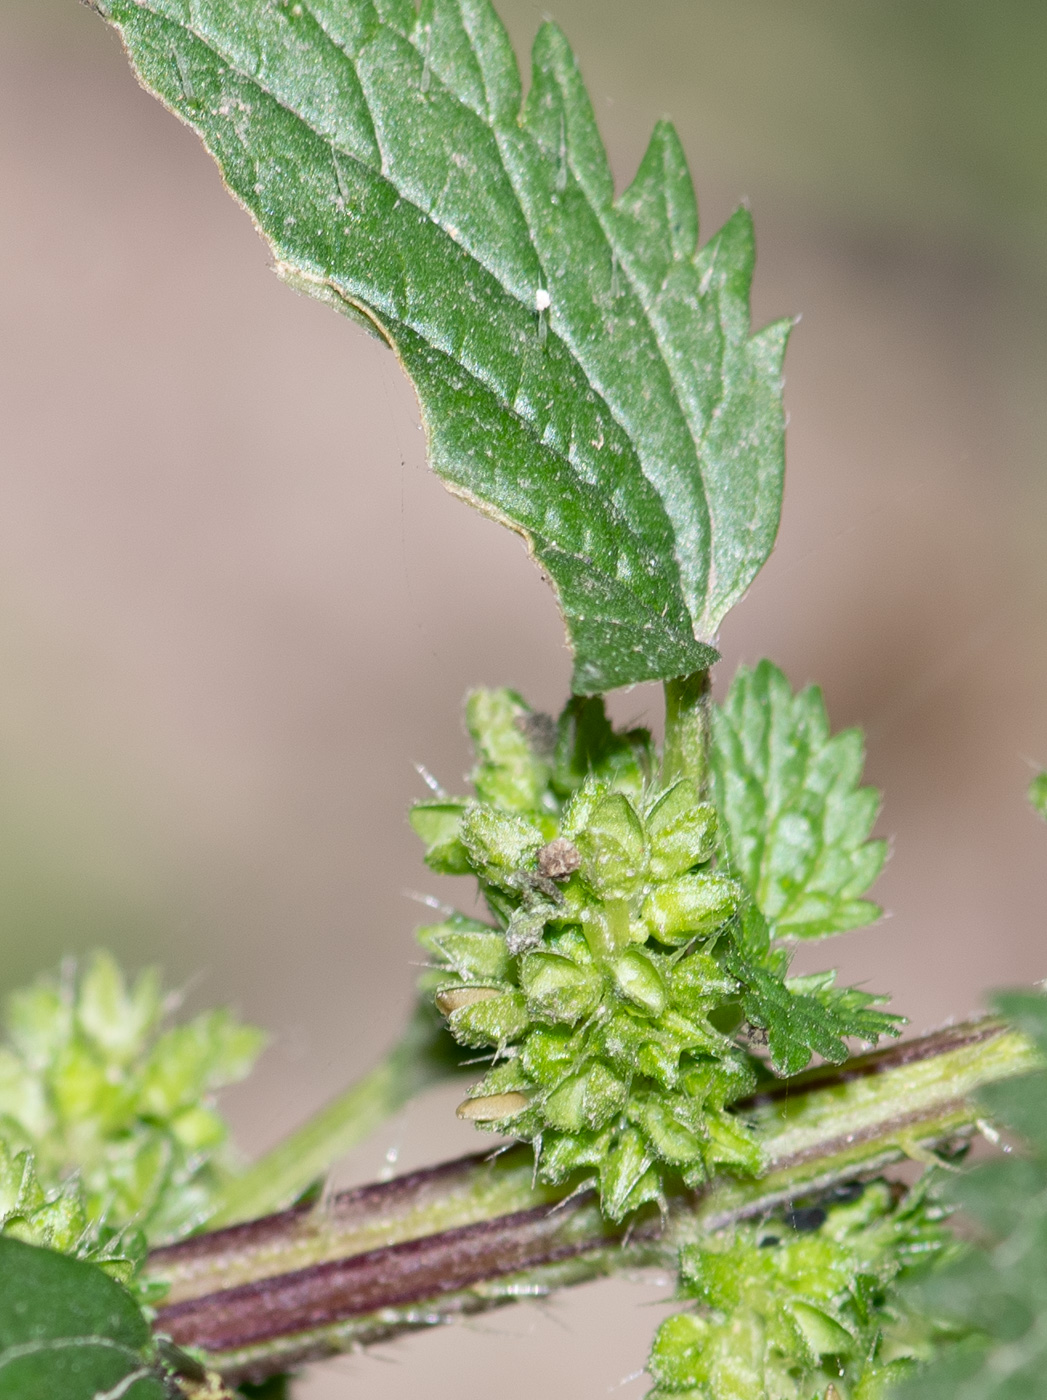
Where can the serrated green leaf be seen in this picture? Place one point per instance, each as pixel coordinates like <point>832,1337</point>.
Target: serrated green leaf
<point>585,371</point>
<point>796,820</point>
<point>804,1016</point>
<point>67,1332</point>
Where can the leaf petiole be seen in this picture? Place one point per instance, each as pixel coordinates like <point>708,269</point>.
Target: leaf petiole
<point>688,730</point>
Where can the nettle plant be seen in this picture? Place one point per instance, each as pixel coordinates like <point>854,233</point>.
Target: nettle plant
<point>587,375</point>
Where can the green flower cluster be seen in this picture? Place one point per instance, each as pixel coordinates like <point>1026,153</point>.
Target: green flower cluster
<point>802,1305</point>
<point>622,963</point>
<point>91,1082</point>
<point>58,1219</point>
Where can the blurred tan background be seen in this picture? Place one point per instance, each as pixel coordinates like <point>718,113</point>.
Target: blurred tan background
<point>235,608</point>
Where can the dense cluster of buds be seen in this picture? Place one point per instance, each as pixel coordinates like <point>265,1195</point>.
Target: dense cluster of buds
<point>801,1304</point>
<point>601,989</point>
<point>623,961</point>
<point>94,1080</point>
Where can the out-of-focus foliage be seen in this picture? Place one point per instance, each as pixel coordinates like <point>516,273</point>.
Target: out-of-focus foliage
<point>622,962</point>
<point>94,1083</point>
<point>997,1292</point>
<point>67,1332</point>
<point>803,1300</point>
<point>1038,794</point>
<point>58,1219</point>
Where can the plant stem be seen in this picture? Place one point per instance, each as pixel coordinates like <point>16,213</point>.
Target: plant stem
<point>424,1055</point>
<point>473,1234</point>
<point>688,719</point>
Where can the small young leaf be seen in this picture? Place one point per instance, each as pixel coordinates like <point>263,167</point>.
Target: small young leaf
<point>796,821</point>
<point>585,371</point>
<point>805,1015</point>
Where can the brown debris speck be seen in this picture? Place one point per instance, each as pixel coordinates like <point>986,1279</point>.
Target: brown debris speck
<point>559,859</point>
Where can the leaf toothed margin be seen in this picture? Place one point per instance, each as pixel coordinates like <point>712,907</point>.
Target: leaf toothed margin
<point>585,372</point>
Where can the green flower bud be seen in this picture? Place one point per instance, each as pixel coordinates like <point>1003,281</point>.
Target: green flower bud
<point>700,985</point>
<point>628,1179</point>
<point>717,1080</point>
<point>559,989</point>
<point>671,1134</point>
<point>613,847</point>
<point>681,830</point>
<point>548,1054</point>
<point>659,1062</point>
<point>683,1358</point>
<point>565,1154</point>
<point>585,1100</point>
<point>637,978</point>
<point>693,906</point>
<point>438,824</point>
<point>199,1129</point>
<point>82,1089</point>
<point>497,1021</point>
<point>730,1144</point>
<point>115,1017</point>
<point>823,1335</point>
<point>500,845</point>
<point>475,951</point>
<point>510,772</point>
<point>527,924</point>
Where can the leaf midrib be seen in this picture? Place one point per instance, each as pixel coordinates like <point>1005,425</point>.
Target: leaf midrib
<point>657,335</point>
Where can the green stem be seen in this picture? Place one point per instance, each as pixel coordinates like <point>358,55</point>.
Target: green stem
<point>474,1234</point>
<point>688,720</point>
<point>423,1056</point>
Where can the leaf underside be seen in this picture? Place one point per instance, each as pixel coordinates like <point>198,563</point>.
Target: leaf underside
<point>585,372</point>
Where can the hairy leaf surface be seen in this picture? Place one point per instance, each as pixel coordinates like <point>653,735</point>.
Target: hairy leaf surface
<point>797,821</point>
<point>585,371</point>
